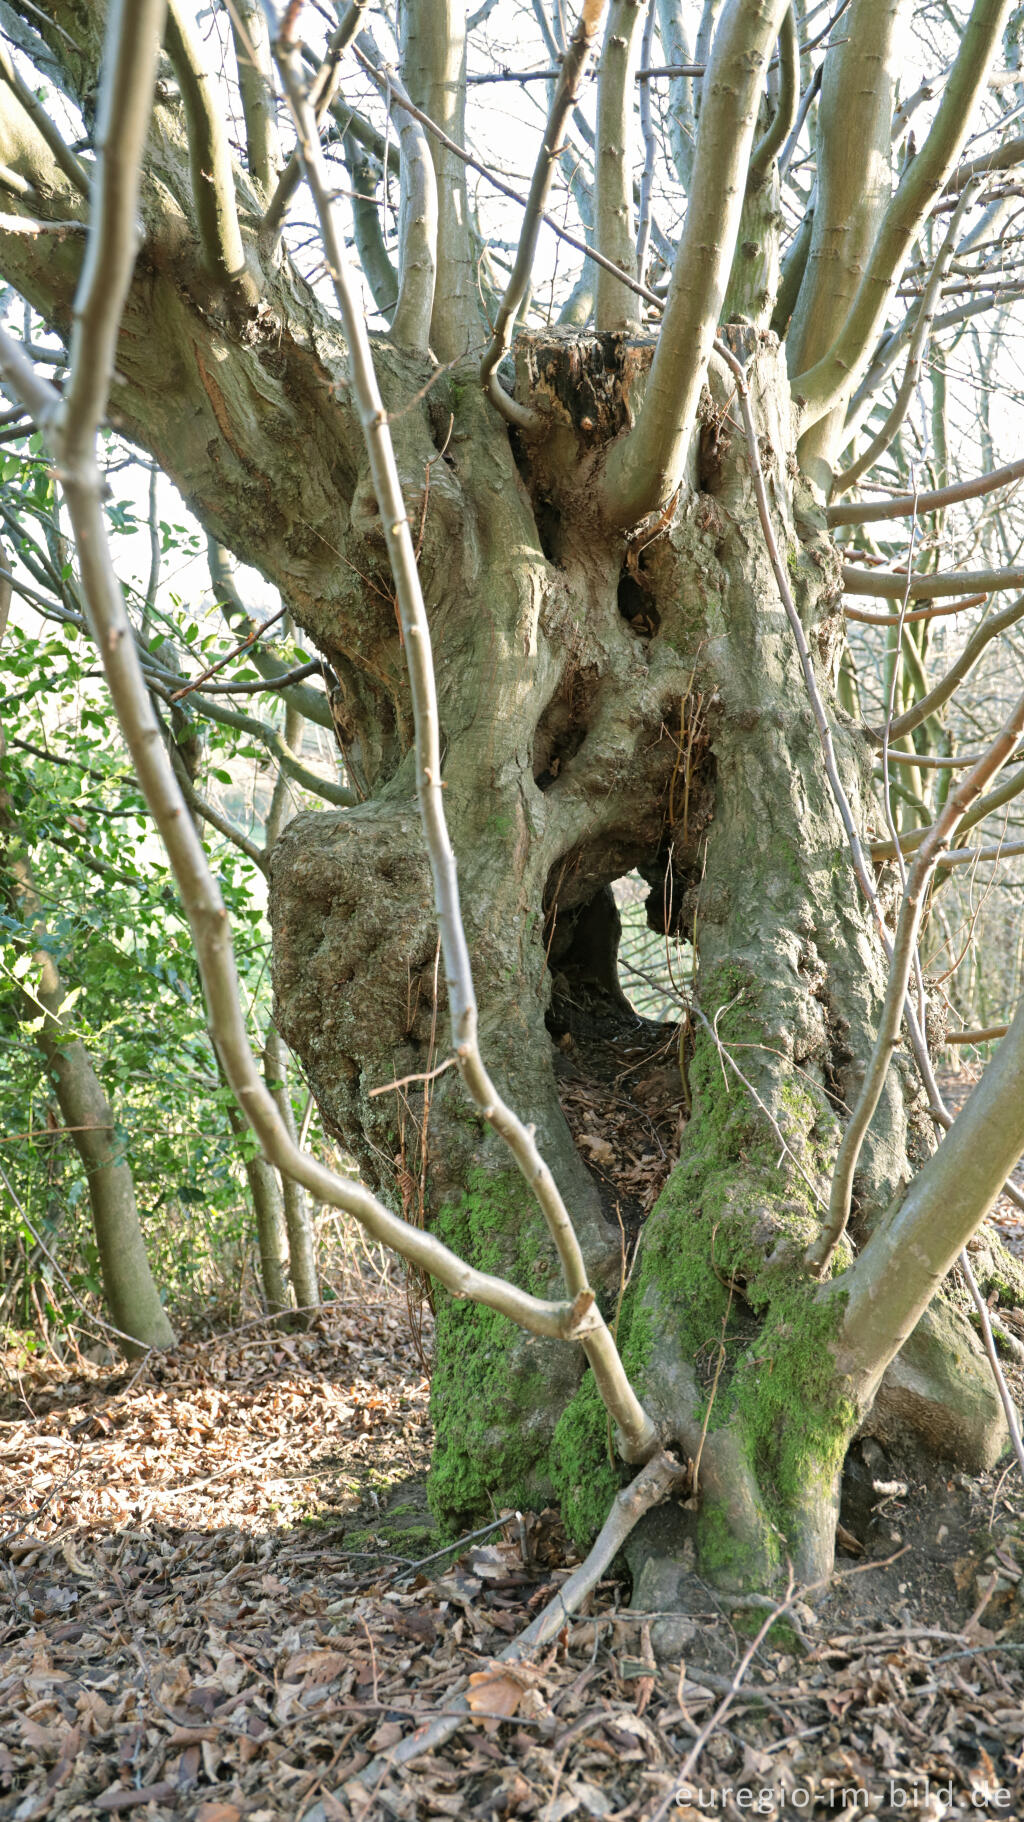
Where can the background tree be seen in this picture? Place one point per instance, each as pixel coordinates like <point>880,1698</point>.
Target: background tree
<point>635,605</point>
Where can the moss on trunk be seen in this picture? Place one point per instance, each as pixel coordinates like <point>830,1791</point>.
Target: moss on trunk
<point>611,705</point>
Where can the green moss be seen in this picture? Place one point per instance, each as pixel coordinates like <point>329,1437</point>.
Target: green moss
<point>584,1476</point>
<point>488,1391</point>
<point>999,1271</point>
<point>731,1215</point>
<point>724,1557</point>
<point>796,1424</point>
<point>722,1260</point>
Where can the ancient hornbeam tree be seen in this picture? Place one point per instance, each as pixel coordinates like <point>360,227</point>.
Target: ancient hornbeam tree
<point>625,461</point>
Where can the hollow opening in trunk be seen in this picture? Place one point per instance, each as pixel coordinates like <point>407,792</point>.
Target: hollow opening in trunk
<point>614,1021</point>
<point>655,970</point>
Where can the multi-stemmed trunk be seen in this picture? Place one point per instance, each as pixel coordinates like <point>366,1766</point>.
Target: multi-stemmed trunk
<point>611,705</point>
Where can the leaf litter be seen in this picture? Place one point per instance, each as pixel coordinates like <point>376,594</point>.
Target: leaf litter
<point>178,1640</point>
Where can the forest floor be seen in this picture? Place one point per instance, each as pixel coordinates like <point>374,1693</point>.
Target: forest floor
<point>220,1598</point>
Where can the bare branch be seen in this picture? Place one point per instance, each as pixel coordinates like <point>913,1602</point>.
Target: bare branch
<point>309,702</point>
<point>911,841</point>
<point>563,101</point>
<point>1001,158</point>
<point>322,92</point>
<point>213,179</point>
<point>434,72</point>
<point>865,618</point>
<point>952,816</point>
<point>650,144</point>
<point>830,381</point>
<point>505,189</point>
<point>418,218</point>
<point>851,191</point>
<point>915,356</point>
<point>255,86</point>
<point>268,736</point>
<point>613,213</point>
<point>208,813</point>
<point>71,165</point>
<point>906,505</point>
<point>893,583</point>
<point>368,234</point>
<point>901,1266</point>
<point>771,143</point>
<point>645,467</point>
<point>928,704</point>
<point>985,1319</point>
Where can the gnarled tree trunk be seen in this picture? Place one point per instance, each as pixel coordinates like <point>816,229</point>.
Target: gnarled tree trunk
<point>610,700</point>
<point>612,704</point>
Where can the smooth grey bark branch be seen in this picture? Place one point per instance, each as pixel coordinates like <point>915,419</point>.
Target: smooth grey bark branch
<point>649,139</point>
<point>213,177</point>
<point>915,354</point>
<point>368,235</point>
<point>297,1216</point>
<point>308,702</point>
<point>434,72</point>
<point>1001,158</point>
<point>417,228</point>
<point>773,139</point>
<point>986,1321</point>
<point>69,162</point>
<point>903,1263</point>
<point>268,736</point>
<point>268,1209</point>
<point>982,636</point>
<point>322,93</point>
<point>892,583</point>
<point>504,189</point>
<point>566,92</point>
<point>275,822</point>
<point>831,380</point>
<point>681,121</point>
<point>851,191</point>
<point>256,89</point>
<point>617,306</point>
<point>906,505</point>
<point>1011,787</point>
<point>637,1435</point>
<point>645,466</point>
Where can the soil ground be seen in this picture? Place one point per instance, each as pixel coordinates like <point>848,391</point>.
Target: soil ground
<point>222,1598</point>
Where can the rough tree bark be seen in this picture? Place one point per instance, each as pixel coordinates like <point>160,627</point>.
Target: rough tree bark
<point>610,709</point>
